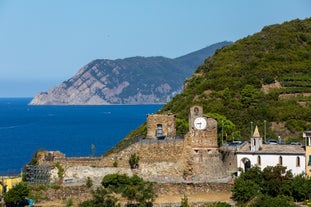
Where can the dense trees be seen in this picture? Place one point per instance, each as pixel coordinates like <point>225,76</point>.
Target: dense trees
<point>230,82</point>
<point>273,186</point>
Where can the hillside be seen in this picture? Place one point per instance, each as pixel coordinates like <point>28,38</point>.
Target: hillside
<point>134,80</point>
<point>262,78</point>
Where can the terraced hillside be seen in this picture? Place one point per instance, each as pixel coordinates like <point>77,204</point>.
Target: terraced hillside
<point>263,79</point>
<point>260,79</point>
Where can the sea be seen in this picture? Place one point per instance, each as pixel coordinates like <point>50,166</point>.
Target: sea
<point>73,130</point>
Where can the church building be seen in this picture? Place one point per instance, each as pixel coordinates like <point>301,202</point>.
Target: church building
<point>256,153</point>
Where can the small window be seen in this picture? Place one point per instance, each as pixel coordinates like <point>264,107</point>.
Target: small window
<point>258,160</point>
<point>196,111</point>
<point>309,163</point>
<point>280,160</point>
<point>159,130</point>
<point>298,162</point>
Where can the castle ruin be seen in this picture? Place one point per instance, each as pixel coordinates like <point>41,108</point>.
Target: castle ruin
<point>163,158</point>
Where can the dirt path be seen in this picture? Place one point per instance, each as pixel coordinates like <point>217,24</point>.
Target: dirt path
<point>198,197</point>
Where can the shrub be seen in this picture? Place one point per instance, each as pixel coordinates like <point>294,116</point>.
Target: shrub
<point>134,159</point>
<point>89,182</point>
<point>184,202</point>
<point>16,195</point>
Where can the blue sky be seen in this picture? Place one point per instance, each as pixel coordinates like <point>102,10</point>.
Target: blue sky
<point>43,43</point>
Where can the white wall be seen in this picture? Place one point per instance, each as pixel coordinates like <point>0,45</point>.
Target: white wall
<point>289,161</point>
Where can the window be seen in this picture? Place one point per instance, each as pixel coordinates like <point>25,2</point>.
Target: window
<point>159,130</point>
<point>196,111</point>
<point>309,163</point>
<point>298,162</point>
<point>258,160</point>
<point>280,160</point>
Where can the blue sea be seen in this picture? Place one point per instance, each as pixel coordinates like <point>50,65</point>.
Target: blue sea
<point>72,130</point>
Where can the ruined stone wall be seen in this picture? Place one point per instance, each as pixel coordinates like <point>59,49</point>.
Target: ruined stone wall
<point>208,165</point>
<point>168,125</point>
<point>229,160</point>
<point>148,151</point>
<point>191,188</point>
<point>204,139</point>
<point>158,159</point>
<point>162,161</point>
<point>205,163</point>
<point>80,161</point>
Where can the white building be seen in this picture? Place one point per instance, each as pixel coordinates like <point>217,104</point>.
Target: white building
<point>256,153</point>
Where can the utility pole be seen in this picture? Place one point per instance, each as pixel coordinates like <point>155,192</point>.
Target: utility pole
<point>251,128</point>
<point>265,133</point>
<point>222,132</point>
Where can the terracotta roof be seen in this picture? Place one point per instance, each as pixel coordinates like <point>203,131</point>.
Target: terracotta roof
<point>272,149</point>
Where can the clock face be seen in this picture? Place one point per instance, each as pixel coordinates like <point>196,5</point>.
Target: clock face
<point>200,123</point>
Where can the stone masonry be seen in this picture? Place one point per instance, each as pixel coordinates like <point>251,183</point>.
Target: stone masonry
<point>161,125</point>
<point>196,158</point>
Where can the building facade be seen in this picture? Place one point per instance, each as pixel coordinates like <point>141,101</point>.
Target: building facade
<point>255,153</point>
<point>307,137</point>
<point>161,126</point>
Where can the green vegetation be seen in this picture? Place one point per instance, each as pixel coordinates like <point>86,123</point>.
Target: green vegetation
<point>229,83</point>
<point>134,161</point>
<point>184,201</point>
<point>101,198</point>
<point>137,191</point>
<point>69,202</point>
<point>89,182</point>
<point>16,195</point>
<point>274,186</point>
<point>139,132</point>
<point>219,204</point>
<point>60,172</point>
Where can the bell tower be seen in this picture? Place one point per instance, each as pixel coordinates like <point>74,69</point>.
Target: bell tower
<point>195,112</point>
<point>202,129</point>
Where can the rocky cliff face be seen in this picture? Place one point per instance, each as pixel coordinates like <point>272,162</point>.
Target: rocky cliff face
<point>136,80</point>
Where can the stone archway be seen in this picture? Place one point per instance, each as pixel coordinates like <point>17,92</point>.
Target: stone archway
<point>246,163</point>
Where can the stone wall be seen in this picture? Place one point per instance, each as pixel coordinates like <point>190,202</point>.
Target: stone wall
<point>162,161</point>
<point>158,159</point>
<point>204,138</point>
<point>191,188</point>
<point>167,122</point>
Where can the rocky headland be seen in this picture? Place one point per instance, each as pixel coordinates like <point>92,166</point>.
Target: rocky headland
<point>134,80</point>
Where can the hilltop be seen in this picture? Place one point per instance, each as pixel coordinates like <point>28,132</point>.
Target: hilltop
<point>262,78</point>
<point>134,80</point>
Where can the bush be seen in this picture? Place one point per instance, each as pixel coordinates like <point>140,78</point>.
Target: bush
<point>268,201</point>
<point>134,188</point>
<point>101,198</point>
<point>184,202</point>
<point>89,182</point>
<point>134,159</point>
<point>16,195</point>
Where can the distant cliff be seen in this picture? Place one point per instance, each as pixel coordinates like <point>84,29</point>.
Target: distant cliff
<point>135,80</point>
